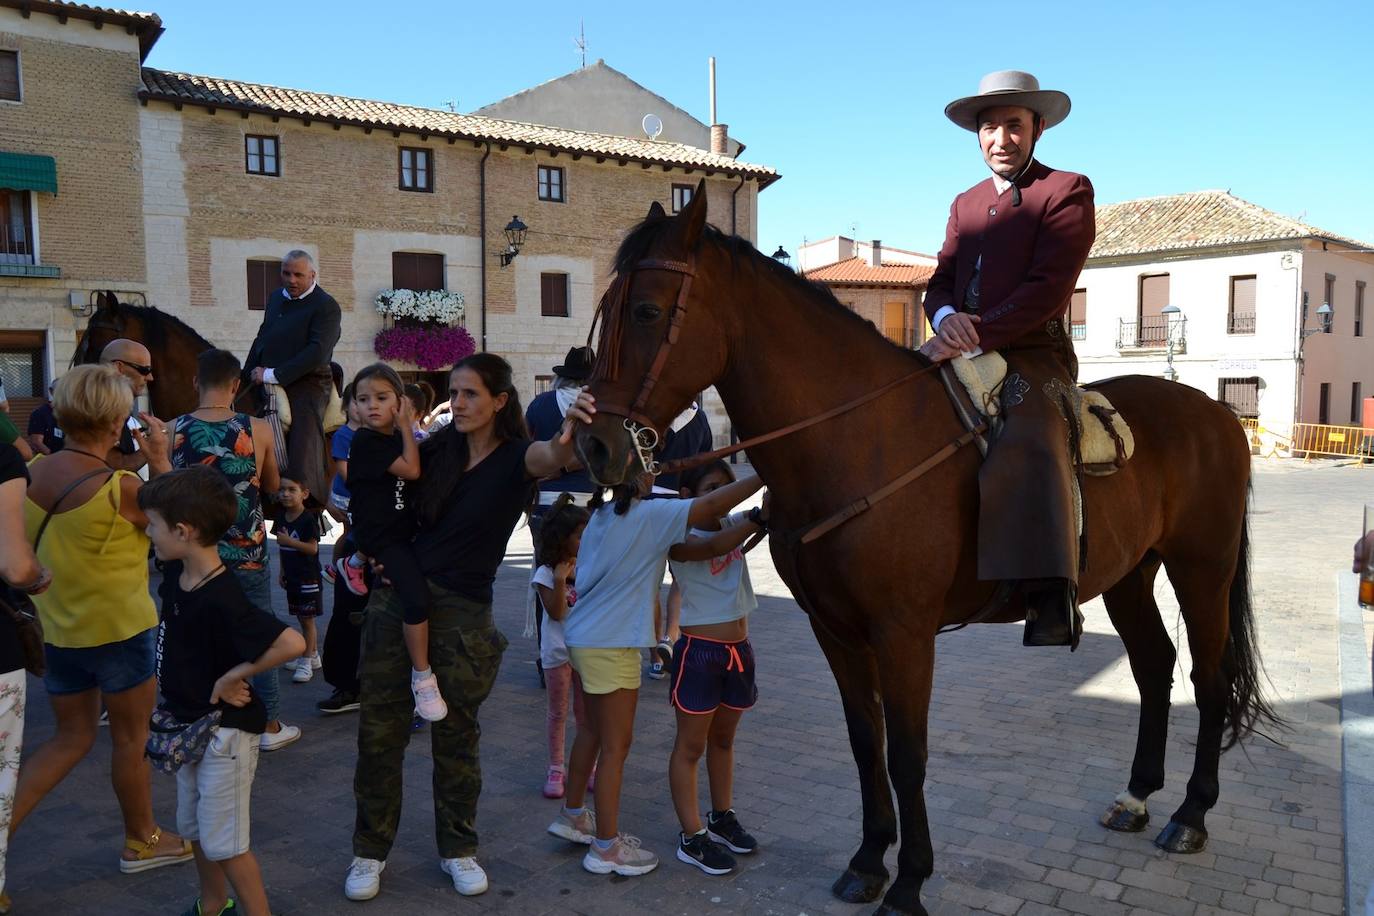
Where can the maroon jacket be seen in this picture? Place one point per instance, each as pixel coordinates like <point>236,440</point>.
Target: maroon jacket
<point>1032,254</point>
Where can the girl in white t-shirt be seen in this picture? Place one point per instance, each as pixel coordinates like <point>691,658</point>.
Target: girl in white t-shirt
<point>554,589</point>
<point>713,672</point>
<point>620,566</point>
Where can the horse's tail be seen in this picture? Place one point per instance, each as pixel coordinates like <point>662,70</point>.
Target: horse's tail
<point>1246,707</point>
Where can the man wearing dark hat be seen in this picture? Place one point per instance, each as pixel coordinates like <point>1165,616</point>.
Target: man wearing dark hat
<point>1014,247</point>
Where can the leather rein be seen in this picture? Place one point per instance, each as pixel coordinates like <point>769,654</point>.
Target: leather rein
<point>644,433</point>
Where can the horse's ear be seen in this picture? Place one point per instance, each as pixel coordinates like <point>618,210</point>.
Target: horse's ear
<point>692,220</point>
<point>656,211</point>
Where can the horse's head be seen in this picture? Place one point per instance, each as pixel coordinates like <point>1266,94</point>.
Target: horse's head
<point>110,321</point>
<point>663,337</point>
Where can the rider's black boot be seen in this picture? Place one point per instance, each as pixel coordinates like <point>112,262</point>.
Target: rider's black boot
<point>1052,615</point>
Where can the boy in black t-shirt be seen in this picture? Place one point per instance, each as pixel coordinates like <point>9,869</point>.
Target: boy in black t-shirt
<point>298,544</point>
<point>211,641</point>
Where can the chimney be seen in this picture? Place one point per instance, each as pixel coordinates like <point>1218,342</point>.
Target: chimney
<point>875,253</point>
<point>720,143</point>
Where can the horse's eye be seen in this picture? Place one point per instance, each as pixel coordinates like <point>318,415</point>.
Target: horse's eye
<point>647,313</point>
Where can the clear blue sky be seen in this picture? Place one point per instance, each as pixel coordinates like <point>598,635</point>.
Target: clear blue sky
<point>1271,100</point>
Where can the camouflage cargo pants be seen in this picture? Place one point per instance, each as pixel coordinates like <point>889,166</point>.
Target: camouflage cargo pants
<point>465,652</point>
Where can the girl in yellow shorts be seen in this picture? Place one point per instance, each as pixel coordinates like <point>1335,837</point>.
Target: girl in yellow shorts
<point>620,566</point>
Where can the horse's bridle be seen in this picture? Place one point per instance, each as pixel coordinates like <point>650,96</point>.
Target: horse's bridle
<point>642,429</point>
<point>82,352</point>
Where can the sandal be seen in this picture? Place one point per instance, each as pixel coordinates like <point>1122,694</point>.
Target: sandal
<point>195,910</point>
<point>146,857</point>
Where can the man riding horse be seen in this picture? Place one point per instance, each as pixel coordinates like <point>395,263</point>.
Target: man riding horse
<point>1014,247</point>
<point>292,349</point>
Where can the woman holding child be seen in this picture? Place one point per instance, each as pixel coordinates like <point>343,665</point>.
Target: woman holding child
<point>476,477</point>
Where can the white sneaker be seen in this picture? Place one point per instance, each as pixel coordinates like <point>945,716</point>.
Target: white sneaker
<point>428,703</point>
<point>304,671</point>
<point>275,741</point>
<point>364,879</point>
<point>315,662</point>
<point>468,877</point>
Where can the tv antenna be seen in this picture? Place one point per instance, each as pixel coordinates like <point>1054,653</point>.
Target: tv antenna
<point>581,40</point>
<point>451,105</point>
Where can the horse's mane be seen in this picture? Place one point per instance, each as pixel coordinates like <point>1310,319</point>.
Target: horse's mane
<point>643,237</point>
<point>157,324</point>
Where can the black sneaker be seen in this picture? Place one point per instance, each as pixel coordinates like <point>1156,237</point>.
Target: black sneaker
<point>725,829</point>
<point>339,701</point>
<point>698,850</point>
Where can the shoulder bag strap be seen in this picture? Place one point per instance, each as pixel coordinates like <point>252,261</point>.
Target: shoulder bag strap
<point>63,495</point>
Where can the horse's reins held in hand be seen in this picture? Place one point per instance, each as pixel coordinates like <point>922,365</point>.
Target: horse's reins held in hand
<point>643,431</point>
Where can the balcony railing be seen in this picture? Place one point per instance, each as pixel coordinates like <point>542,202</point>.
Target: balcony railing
<point>1078,330</point>
<point>16,255</point>
<point>1240,324</point>
<point>1152,333</point>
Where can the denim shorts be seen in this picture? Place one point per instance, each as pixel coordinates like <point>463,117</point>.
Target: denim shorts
<point>113,667</point>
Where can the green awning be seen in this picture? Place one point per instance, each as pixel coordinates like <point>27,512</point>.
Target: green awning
<point>23,172</point>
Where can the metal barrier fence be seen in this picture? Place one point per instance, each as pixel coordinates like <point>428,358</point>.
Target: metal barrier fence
<point>1315,440</point>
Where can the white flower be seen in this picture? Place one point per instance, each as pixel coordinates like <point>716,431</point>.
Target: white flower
<point>439,305</point>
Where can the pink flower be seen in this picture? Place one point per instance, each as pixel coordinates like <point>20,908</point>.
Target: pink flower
<point>431,348</point>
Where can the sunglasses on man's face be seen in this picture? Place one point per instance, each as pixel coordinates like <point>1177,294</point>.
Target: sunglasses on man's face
<point>141,370</point>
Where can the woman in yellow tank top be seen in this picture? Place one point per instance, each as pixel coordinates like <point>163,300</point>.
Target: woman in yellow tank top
<point>98,620</point>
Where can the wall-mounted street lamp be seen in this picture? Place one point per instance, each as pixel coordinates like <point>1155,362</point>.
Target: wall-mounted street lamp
<point>515,240</point>
<point>1173,330</point>
<point>782,257</point>
<point>1324,312</point>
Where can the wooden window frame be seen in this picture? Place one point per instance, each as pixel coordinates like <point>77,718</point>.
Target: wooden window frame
<point>1324,404</point>
<point>262,139</point>
<point>1247,381</point>
<point>1328,297</point>
<point>546,304</point>
<point>678,189</point>
<point>13,252</point>
<point>545,185</point>
<point>18,78</point>
<point>1356,402</point>
<point>428,154</point>
<point>398,270</point>
<point>1237,324</point>
<point>266,291</point>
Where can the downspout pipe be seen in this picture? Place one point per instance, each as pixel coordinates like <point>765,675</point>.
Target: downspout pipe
<point>482,234</point>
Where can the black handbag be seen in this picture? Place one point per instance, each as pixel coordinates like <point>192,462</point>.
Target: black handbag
<point>19,607</point>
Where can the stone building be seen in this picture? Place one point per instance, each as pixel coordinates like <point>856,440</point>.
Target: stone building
<point>182,191</point>
<point>882,284</point>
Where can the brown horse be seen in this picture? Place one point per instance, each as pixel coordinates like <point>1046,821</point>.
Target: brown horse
<point>174,346</point>
<point>691,308</point>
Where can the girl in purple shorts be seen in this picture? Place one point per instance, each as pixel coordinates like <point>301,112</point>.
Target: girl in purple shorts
<point>713,673</point>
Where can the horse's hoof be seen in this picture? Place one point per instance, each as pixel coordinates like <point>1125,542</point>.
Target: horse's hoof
<point>885,910</point>
<point>1178,837</point>
<point>1124,820</point>
<point>853,887</point>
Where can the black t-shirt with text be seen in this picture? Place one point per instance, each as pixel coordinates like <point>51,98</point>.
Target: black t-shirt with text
<point>464,548</point>
<point>381,510</point>
<point>296,567</point>
<point>203,634</point>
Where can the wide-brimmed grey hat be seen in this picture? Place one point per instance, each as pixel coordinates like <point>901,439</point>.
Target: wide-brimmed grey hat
<point>1009,87</point>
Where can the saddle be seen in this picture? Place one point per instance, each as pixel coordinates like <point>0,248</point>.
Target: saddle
<point>277,401</point>
<point>1105,441</point>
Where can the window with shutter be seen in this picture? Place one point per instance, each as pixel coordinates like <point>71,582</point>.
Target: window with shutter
<point>417,270</point>
<point>264,278</point>
<point>9,76</point>
<point>1241,317</point>
<point>1078,314</point>
<point>553,295</point>
<point>1152,330</point>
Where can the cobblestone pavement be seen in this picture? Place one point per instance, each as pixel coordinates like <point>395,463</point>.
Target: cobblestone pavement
<point>1027,748</point>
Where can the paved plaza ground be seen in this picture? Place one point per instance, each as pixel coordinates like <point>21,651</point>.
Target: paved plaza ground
<point>1028,747</point>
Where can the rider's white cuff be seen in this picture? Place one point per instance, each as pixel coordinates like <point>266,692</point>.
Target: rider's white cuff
<point>269,376</point>
<point>941,314</point>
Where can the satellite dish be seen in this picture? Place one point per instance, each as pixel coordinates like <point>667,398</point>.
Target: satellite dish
<point>653,126</point>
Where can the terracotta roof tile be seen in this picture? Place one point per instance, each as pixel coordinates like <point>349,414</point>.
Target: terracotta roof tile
<point>1202,219</point>
<point>148,26</point>
<point>856,270</point>
<point>213,92</point>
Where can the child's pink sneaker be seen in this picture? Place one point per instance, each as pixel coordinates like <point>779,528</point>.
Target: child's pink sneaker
<point>352,577</point>
<point>428,703</point>
<point>553,783</point>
